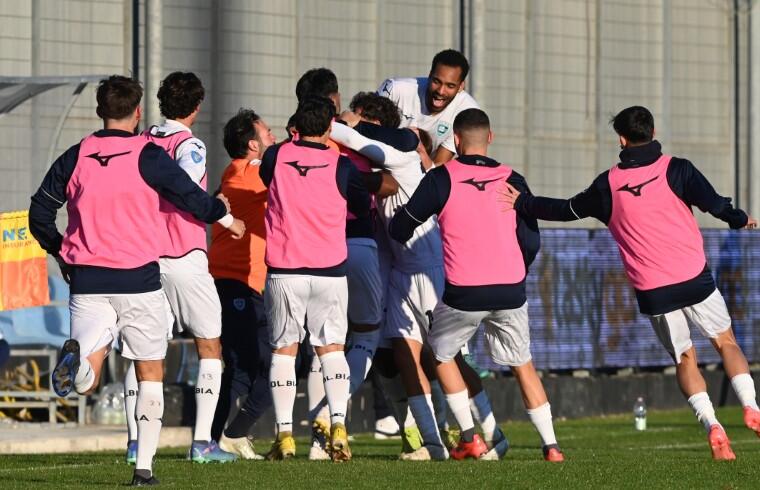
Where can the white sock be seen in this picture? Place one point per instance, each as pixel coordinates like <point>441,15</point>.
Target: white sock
<point>206,396</point>
<point>149,411</point>
<point>282,381</point>
<point>422,409</point>
<point>745,390</point>
<point>459,404</point>
<point>703,409</point>
<point>85,377</point>
<point>335,373</point>
<point>409,419</point>
<point>130,401</point>
<point>439,404</point>
<point>541,417</point>
<point>359,358</point>
<point>315,392</point>
<point>481,409</point>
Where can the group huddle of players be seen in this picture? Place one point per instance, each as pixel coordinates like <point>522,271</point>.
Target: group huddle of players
<point>383,236</point>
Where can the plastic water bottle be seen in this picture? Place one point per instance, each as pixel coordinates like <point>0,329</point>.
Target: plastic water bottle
<point>640,414</point>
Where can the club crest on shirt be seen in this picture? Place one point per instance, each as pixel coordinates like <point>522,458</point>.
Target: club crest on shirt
<point>442,128</point>
<point>197,157</point>
<point>239,304</point>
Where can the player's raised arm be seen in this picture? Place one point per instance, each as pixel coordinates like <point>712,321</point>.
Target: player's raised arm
<point>174,184</point>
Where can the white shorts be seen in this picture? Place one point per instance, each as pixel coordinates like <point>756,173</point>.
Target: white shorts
<point>365,287</point>
<point>672,328</point>
<point>138,319</point>
<point>317,302</point>
<point>411,301</point>
<point>506,331</point>
<point>192,295</point>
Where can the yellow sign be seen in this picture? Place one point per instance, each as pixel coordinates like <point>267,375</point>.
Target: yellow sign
<point>23,265</point>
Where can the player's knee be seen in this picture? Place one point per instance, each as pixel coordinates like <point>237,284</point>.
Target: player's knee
<point>209,348</point>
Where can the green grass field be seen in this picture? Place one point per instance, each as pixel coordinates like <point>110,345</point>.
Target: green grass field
<point>601,453</point>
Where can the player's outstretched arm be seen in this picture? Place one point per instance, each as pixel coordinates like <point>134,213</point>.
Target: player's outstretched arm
<point>689,184</point>
<point>380,153</point>
<point>595,201</point>
<point>173,184</point>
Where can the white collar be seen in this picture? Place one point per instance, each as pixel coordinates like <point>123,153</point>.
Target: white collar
<point>175,126</point>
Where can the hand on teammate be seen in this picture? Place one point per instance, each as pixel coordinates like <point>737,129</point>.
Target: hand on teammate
<point>237,229</point>
<point>226,201</point>
<point>751,223</point>
<point>508,196</point>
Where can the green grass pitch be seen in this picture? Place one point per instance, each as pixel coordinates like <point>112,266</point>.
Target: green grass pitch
<point>601,452</point>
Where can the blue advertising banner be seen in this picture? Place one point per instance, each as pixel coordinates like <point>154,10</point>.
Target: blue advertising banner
<point>583,311</point>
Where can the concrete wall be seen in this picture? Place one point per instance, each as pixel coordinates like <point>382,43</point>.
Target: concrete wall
<point>549,72</point>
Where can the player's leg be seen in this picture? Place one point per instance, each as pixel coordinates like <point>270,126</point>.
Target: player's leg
<point>365,308</point>
<point>253,358</point>
<point>673,331</point>
<point>507,337</point>
<point>404,325</point>
<point>450,330</point>
<point>130,405</point>
<point>142,324</point>
<point>712,319</point>
<point>285,300</point>
<point>93,330</point>
<point>195,304</point>
<point>328,325</point>
<point>319,411</point>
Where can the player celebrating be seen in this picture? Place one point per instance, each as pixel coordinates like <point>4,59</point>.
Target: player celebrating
<point>416,279</point>
<point>309,189</point>
<point>431,104</point>
<point>486,259</point>
<point>645,201</point>
<point>111,182</point>
<point>365,298</point>
<point>184,266</point>
<point>239,271</point>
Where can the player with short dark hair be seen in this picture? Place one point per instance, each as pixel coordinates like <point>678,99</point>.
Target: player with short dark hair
<point>189,287</point>
<point>239,272</point>
<point>311,189</point>
<point>112,183</point>
<point>646,202</point>
<point>486,260</point>
<point>431,103</point>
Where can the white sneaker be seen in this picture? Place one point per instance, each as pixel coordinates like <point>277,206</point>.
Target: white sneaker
<point>387,428</point>
<point>320,438</point>
<point>242,446</point>
<point>497,450</point>
<point>426,453</point>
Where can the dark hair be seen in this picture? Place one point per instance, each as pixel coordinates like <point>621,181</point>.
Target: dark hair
<point>374,106</point>
<point>239,131</point>
<point>470,119</point>
<point>636,124</point>
<point>320,82</point>
<point>451,57</point>
<point>314,115</point>
<point>117,97</point>
<point>180,94</point>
